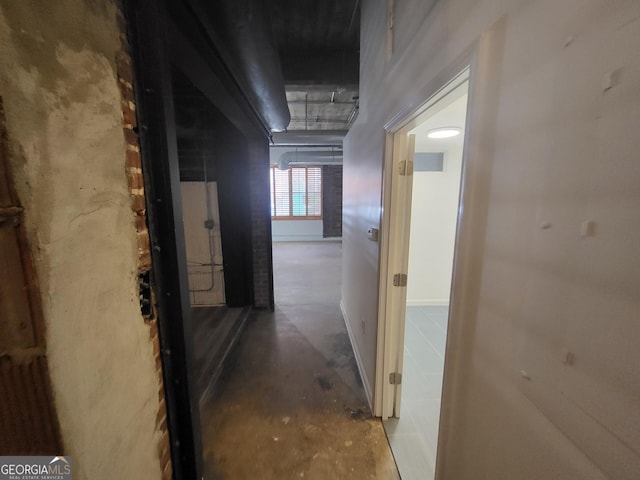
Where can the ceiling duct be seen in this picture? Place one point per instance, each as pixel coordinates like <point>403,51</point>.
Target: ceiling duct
<point>243,37</point>
<point>310,157</point>
<point>327,138</point>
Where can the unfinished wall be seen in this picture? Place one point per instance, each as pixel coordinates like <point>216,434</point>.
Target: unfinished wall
<point>541,373</point>
<point>58,79</point>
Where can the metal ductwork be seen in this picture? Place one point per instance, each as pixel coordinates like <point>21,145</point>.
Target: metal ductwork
<point>243,37</point>
<point>310,157</point>
<point>326,138</point>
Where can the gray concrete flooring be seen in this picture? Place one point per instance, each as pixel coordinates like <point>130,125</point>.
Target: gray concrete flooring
<point>292,405</point>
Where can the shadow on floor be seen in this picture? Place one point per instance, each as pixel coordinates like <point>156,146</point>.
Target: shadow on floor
<point>291,405</point>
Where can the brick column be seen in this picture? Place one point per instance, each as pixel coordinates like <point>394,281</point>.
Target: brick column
<point>332,201</point>
<point>260,225</point>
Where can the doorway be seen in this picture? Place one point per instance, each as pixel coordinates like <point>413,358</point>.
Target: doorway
<point>427,159</point>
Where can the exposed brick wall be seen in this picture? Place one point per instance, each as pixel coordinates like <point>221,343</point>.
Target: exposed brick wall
<point>261,225</point>
<point>332,201</point>
<point>133,168</point>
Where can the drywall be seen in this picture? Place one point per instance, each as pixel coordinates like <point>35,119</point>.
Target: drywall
<point>296,230</point>
<point>64,118</point>
<point>541,378</point>
<point>434,207</point>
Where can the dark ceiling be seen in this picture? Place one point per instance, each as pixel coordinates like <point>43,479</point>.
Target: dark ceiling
<point>319,46</point>
<point>318,40</point>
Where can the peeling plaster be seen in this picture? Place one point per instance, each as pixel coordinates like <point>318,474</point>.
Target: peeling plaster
<point>58,82</point>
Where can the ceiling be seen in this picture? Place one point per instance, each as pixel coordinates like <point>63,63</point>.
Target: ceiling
<point>318,42</point>
<point>451,114</point>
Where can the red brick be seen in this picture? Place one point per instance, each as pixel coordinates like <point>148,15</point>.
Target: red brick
<point>136,182</point>
<point>123,66</point>
<point>130,137</point>
<point>141,223</point>
<point>167,472</point>
<point>158,361</point>
<point>138,203</point>
<point>133,159</point>
<point>153,329</point>
<point>162,412</point>
<point>144,264</point>
<point>129,116</point>
<point>143,243</point>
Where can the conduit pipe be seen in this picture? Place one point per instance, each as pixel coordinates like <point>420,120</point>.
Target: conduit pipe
<point>243,37</point>
<point>310,157</point>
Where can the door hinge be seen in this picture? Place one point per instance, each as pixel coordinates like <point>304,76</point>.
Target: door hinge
<point>400,280</point>
<point>405,168</point>
<point>395,378</point>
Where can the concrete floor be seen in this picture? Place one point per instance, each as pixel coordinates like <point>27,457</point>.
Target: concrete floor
<point>292,405</point>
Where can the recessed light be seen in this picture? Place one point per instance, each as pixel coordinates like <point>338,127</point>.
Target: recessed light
<point>446,132</point>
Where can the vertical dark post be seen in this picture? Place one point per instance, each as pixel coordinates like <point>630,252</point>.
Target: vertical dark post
<point>261,224</point>
<point>147,22</point>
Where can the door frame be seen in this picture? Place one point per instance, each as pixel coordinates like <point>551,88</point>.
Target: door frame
<point>394,243</point>
<point>147,25</point>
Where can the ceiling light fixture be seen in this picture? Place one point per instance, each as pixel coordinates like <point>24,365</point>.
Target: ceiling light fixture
<point>445,132</point>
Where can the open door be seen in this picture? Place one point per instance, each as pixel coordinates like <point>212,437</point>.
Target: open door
<point>396,231</point>
<point>422,211</point>
<point>398,258</point>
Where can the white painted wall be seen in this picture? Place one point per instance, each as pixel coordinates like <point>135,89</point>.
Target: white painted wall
<point>548,147</point>
<point>296,230</point>
<point>64,119</point>
<point>434,207</point>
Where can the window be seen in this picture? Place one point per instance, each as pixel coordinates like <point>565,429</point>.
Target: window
<point>296,194</point>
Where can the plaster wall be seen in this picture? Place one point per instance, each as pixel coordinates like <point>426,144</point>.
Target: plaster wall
<point>540,373</point>
<point>64,118</point>
<point>434,206</point>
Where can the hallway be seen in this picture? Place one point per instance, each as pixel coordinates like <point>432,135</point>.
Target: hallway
<point>292,405</point>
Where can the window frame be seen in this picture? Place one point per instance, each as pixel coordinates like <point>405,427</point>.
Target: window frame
<point>272,193</point>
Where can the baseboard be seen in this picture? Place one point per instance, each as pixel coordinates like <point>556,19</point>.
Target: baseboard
<point>303,238</point>
<point>427,303</point>
<point>365,382</point>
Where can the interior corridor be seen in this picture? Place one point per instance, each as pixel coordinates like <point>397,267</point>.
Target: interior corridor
<point>291,404</point>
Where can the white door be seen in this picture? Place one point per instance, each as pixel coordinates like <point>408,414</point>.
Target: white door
<point>203,243</point>
<point>396,271</point>
<point>394,247</point>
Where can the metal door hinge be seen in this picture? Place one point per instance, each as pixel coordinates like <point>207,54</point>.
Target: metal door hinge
<point>395,378</point>
<point>400,280</point>
<point>405,168</point>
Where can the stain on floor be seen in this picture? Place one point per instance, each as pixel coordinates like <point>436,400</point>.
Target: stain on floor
<point>291,406</point>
